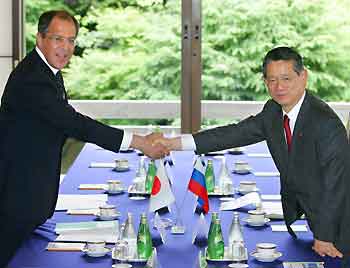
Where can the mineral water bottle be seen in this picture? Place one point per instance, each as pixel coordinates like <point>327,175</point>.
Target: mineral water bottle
<point>235,233</point>
<point>210,177</point>
<point>129,235</point>
<point>150,176</point>
<point>144,240</point>
<point>216,245</point>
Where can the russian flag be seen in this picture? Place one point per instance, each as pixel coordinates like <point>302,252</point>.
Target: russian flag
<point>197,186</point>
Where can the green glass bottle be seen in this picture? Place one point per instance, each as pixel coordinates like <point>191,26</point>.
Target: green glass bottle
<point>210,177</point>
<point>144,239</point>
<point>216,244</point>
<point>214,215</point>
<point>151,172</point>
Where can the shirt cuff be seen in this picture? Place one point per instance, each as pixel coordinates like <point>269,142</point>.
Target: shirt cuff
<point>188,143</point>
<point>126,141</point>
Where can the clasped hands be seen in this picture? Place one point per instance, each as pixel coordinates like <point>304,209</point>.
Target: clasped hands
<point>155,145</point>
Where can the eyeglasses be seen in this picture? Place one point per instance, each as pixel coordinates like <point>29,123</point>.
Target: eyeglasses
<point>284,79</point>
<point>58,39</point>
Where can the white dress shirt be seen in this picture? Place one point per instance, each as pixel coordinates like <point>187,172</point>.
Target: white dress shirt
<point>127,137</point>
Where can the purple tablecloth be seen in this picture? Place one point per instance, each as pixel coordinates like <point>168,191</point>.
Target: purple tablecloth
<point>178,251</point>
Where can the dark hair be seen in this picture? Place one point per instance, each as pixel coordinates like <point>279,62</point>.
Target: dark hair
<point>283,53</point>
<point>46,18</point>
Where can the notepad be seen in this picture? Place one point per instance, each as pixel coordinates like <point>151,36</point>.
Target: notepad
<point>100,186</point>
<point>303,265</point>
<point>262,155</point>
<point>283,228</point>
<point>60,246</point>
<point>267,174</point>
<point>271,197</point>
<point>102,165</point>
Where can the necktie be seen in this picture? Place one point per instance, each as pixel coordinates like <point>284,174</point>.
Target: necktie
<point>60,83</point>
<point>287,131</point>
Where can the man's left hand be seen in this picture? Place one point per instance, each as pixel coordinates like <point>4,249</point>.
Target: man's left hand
<point>324,248</point>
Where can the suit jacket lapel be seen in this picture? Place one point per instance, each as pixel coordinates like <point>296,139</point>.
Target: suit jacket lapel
<point>279,139</point>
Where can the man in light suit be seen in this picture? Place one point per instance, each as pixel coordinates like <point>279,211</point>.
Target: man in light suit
<point>309,145</point>
<point>35,119</point>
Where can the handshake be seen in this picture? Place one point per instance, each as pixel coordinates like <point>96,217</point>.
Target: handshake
<point>155,145</point>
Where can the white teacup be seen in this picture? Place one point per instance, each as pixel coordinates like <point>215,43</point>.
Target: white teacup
<point>114,185</point>
<point>247,186</point>
<point>266,249</point>
<point>122,163</point>
<point>107,210</point>
<point>256,216</point>
<point>95,246</point>
<point>241,165</point>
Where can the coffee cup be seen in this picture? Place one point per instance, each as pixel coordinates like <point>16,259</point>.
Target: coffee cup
<point>107,210</point>
<point>266,249</point>
<point>122,163</point>
<point>256,216</point>
<point>241,165</point>
<point>95,246</point>
<point>247,186</point>
<point>114,185</point>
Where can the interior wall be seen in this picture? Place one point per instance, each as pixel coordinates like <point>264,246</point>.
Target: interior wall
<point>6,55</point>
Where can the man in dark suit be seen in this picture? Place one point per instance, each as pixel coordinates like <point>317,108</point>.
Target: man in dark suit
<point>309,145</point>
<point>35,119</point>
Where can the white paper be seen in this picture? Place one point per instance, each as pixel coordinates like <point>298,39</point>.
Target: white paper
<point>89,211</point>
<point>110,235</point>
<point>262,155</point>
<point>267,174</point>
<point>75,201</point>
<point>64,227</point>
<point>101,165</point>
<point>303,265</point>
<point>60,246</point>
<point>283,228</point>
<point>99,186</point>
<point>271,197</point>
<point>250,198</point>
<point>273,210</point>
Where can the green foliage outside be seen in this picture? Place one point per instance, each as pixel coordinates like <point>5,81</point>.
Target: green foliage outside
<point>131,49</point>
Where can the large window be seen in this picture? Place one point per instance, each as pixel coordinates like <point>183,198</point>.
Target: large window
<point>135,50</point>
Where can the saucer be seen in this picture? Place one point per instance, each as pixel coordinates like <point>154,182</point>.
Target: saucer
<point>96,254</point>
<point>121,265</point>
<point>238,265</point>
<point>121,169</point>
<point>242,171</point>
<point>266,258</point>
<point>243,192</point>
<point>119,191</point>
<point>256,224</point>
<point>137,197</point>
<point>108,218</point>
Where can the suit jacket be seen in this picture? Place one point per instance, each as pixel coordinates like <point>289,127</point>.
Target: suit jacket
<point>35,120</point>
<point>314,175</point>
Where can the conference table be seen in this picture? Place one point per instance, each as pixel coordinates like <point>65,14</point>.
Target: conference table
<point>178,251</point>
